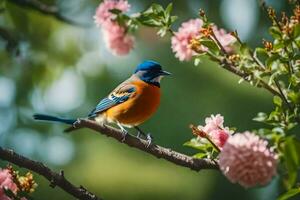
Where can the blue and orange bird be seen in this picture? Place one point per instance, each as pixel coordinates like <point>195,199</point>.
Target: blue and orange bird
<point>128,105</point>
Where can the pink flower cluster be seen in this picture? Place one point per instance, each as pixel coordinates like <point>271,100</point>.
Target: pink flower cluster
<point>191,29</point>
<point>6,182</point>
<point>180,41</point>
<point>215,130</point>
<point>246,159</point>
<point>115,36</point>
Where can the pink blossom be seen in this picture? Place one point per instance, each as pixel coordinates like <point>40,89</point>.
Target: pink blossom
<point>117,40</point>
<point>191,29</point>
<point>246,159</point>
<point>6,182</point>
<point>219,137</point>
<point>224,38</point>
<point>103,13</point>
<point>213,122</point>
<point>215,129</point>
<point>181,39</point>
<point>115,36</point>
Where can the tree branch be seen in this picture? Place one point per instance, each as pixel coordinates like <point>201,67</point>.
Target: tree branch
<point>46,10</point>
<point>229,67</point>
<point>55,178</point>
<point>157,151</point>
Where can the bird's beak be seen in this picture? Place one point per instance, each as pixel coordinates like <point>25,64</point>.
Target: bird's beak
<point>164,73</point>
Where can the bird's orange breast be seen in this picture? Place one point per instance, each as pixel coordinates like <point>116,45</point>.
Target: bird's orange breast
<point>138,108</point>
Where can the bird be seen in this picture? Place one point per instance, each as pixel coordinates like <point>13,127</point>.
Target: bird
<point>129,105</point>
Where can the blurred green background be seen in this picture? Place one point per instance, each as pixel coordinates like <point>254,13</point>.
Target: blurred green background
<point>62,69</point>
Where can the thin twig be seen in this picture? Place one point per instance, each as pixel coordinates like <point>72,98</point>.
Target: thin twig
<point>283,96</point>
<point>232,68</point>
<point>229,67</point>
<point>155,150</point>
<point>214,37</point>
<point>251,52</point>
<point>265,8</point>
<point>56,179</point>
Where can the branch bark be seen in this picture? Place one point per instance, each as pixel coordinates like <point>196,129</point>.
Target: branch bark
<point>56,179</point>
<point>46,10</point>
<point>155,150</point>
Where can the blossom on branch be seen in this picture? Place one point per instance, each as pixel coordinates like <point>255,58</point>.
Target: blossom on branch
<point>115,36</point>
<point>103,14</point>
<point>181,39</point>
<point>184,38</point>
<point>215,130</point>
<point>247,160</point>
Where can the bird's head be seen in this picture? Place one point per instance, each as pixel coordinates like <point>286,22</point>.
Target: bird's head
<point>151,72</point>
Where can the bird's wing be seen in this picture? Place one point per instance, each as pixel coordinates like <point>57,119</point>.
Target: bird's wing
<point>119,95</point>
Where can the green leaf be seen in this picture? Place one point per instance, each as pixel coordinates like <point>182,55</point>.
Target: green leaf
<point>291,152</point>
<point>275,32</point>
<point>261,117</point>
<point>210,44</point>
<point>272,62</point>
<point>296,31</point>
<point>157,8</point>
<point>162,32</point>
<point>244,48</point>
<point>278,130</point>
<point>200,155</point>
<point>278,44</point>
<point>289,194</point>
<point>169,8</point>
<point>277,101</point>
<point>292,149</point>
<point>261,53</point>
<point>290,180</point>
<point>294,97</point>
<point>194,143</point>
<point>173,19</point>
<point>147,21</point>
<point>168,11</point>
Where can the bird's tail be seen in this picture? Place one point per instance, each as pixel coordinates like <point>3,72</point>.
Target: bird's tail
<point>53,119</point>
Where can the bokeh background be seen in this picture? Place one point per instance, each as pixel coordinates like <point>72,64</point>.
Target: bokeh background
<point>63,69</point>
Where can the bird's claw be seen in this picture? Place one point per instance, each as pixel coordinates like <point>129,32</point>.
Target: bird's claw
<point>138,135</point>
<point>76,123</point>
<point>124,133</point>
<point>149,139</point>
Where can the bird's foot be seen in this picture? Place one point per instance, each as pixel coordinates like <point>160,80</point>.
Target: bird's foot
<point>149,139</point>
<point>76,123</point>
<point>124,134</point>
<point>147,136</point>
<point>138,135</point>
